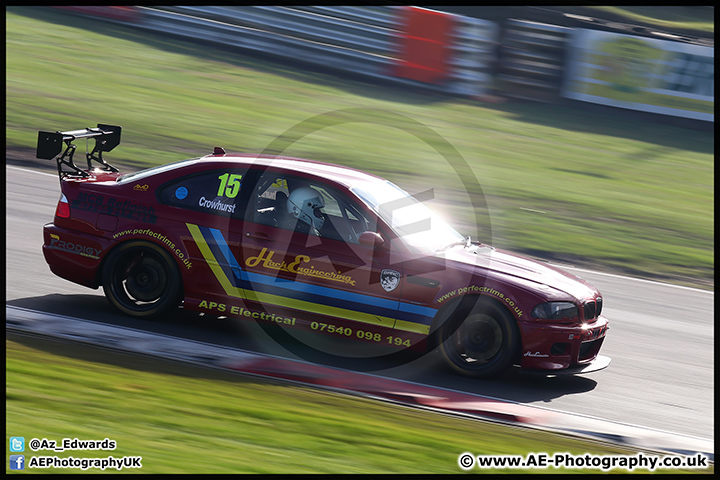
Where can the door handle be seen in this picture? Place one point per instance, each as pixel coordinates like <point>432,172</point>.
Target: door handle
<point>258,236</point>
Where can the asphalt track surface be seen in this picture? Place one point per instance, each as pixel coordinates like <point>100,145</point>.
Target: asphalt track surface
<point>660,340</point>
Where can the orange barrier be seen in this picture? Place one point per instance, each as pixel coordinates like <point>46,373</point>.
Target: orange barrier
<point>424,47</point>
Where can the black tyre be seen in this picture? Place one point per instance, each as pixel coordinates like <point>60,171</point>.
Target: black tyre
<point>482,342</point>
<point>141,280</point>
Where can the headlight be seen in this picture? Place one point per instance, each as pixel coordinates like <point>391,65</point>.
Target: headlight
<point>556,311</point>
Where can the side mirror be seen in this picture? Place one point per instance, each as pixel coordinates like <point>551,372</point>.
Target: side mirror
<point>371,239</point>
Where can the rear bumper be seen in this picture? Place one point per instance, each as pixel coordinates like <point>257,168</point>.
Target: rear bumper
<point>72,256</point>
<point>561,347</point>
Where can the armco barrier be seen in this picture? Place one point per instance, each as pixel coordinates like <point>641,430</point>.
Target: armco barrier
<point>364,41</point>
<point>473,56</point>
<point>532,60</point>
<point>438,51</point>
<point>240,27</point>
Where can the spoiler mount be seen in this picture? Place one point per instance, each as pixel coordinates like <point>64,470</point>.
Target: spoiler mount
<point>50,146</point>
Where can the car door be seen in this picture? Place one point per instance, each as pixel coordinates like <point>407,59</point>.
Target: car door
<point>208,207</point>
<point>318,268</point>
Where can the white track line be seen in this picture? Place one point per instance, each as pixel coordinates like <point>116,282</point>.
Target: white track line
<point>31,170</point>
<point>614,275</point>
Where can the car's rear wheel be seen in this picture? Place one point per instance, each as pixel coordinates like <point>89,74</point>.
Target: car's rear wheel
<point>482,342</point>
<point>141,279</point>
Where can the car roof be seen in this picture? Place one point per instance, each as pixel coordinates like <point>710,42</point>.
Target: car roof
<point>344,175</point>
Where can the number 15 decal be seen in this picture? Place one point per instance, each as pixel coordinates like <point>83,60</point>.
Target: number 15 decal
<point>229,185</point>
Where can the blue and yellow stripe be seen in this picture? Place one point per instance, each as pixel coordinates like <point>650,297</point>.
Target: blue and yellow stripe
<point>267,289</point>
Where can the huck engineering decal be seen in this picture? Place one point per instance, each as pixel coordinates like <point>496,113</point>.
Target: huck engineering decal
<point>333,302</point>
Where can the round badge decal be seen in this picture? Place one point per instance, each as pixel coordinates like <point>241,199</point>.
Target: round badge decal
<point>389,279</point>
<point>181,193</point>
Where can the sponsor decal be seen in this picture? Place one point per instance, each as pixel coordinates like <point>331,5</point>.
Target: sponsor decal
<point>483,290</point>
<point>653,75</point>
<point>294,267</point>
<point>113,206</point>
<point>141,188</point>
<point>243,312</point>
<point>181,193</point>
<point>222,309</point>
<point>389,279</point>
<point>536,354</point>
<point>315,299</point>
<point>161,238</point>
<point>58,244</point>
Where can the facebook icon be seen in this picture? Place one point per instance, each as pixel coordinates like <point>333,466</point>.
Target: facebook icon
<point>17,462</point>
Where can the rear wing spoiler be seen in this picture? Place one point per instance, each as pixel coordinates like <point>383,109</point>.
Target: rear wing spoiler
<point>50,145</point>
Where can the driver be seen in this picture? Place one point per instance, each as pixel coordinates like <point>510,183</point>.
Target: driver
<point>304,204</point>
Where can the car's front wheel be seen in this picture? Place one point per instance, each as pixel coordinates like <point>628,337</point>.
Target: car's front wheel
<point>141,279</point>
<point>480,343</point>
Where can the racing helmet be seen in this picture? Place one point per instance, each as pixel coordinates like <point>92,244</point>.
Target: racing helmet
<point>304,203</point>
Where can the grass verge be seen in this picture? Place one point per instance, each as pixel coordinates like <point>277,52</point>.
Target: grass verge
<point>186,419</point>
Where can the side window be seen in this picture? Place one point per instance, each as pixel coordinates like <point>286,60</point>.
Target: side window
<point>270,199</point>
<point>308,207</point>
<point>343,220</point>
<point>216,192</point>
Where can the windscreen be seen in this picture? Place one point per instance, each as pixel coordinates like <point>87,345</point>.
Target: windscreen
<point>418,226</point>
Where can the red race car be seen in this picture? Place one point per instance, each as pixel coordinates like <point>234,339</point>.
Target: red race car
<point>317,250</point>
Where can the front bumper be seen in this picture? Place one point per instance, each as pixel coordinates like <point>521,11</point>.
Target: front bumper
<point>562,347</point>
<point>600,362</point>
